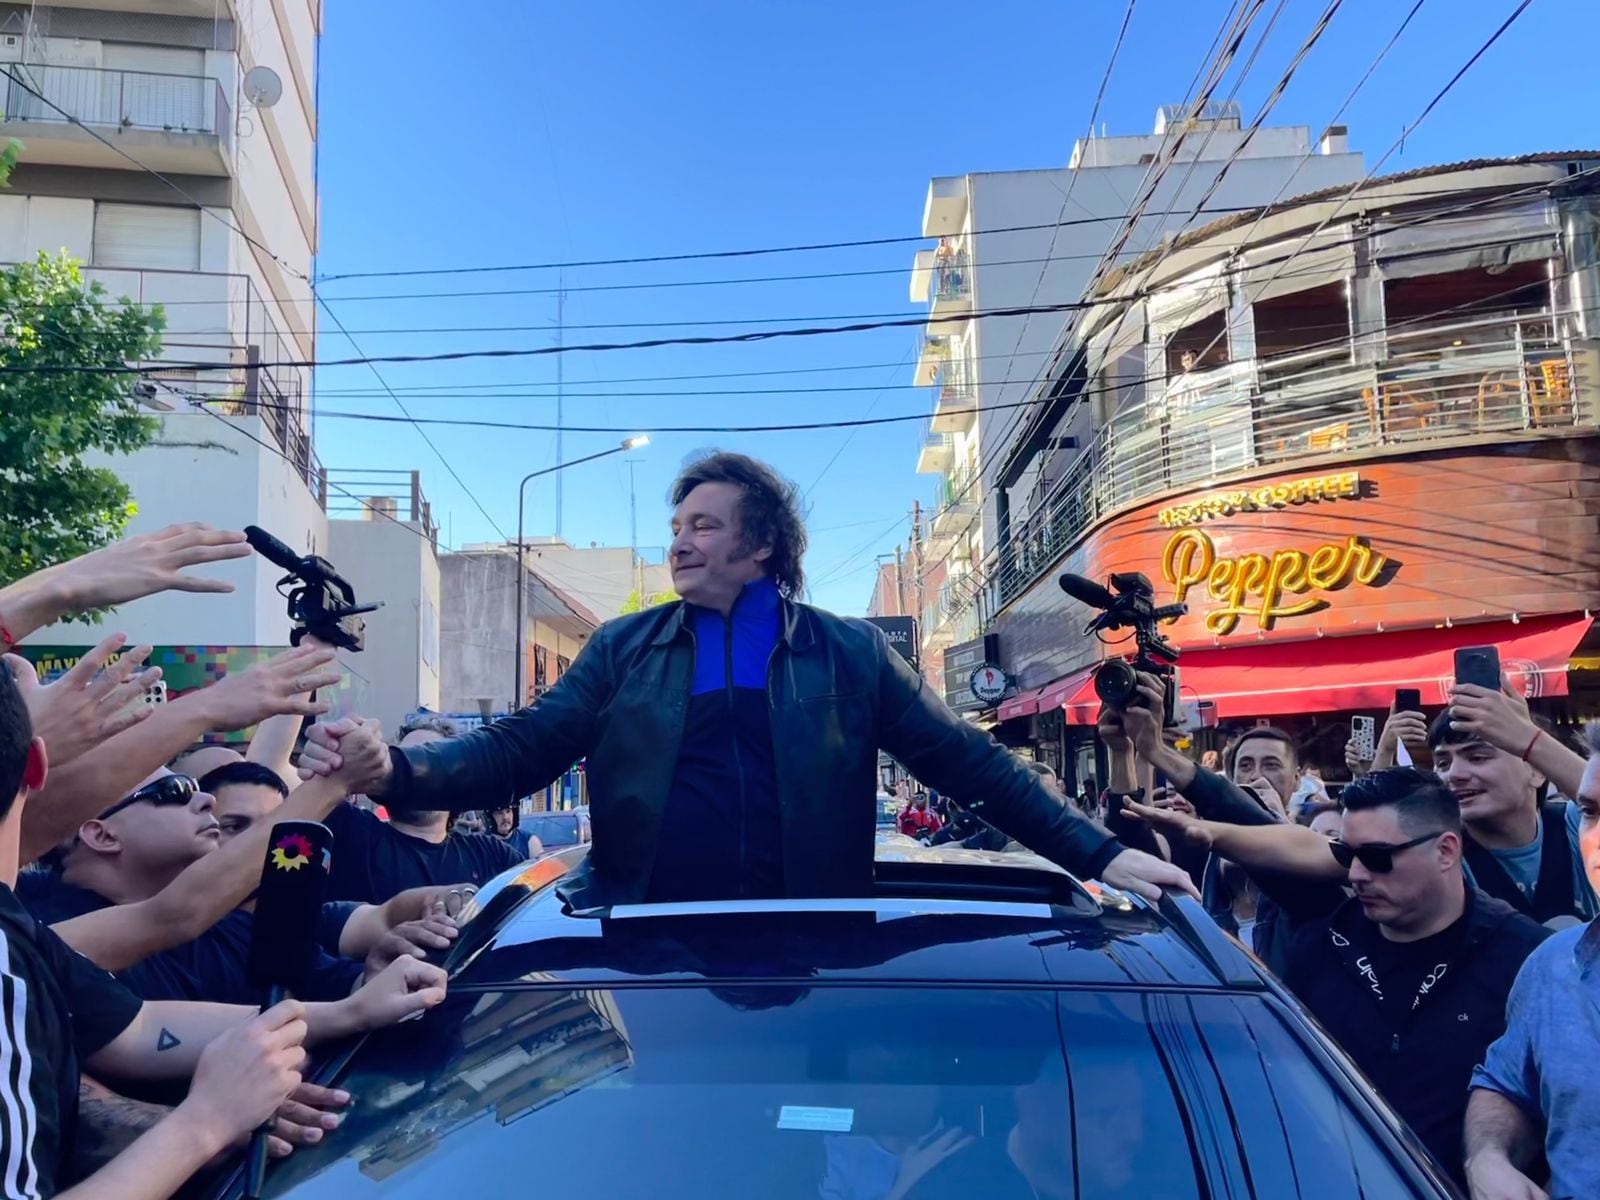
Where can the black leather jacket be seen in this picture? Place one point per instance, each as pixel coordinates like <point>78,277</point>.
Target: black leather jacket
<point>837,693</point>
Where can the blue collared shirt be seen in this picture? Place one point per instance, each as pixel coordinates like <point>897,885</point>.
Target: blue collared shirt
<point>1544,1062</point>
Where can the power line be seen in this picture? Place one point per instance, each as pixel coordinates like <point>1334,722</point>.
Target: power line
<point>637,260</point>
<point>859,422</point>
<point>439,454</point>
<point>539,351</point>
<point>1003,447</point>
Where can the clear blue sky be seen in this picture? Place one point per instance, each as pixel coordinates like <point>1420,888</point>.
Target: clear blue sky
<point>514,132</point>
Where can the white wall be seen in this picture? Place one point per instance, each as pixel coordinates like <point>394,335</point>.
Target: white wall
<point>392,562</point>
<point>202,468</point>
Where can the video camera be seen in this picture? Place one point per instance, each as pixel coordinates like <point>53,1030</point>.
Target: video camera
<point>1130,603</point>
<point>324,605</point>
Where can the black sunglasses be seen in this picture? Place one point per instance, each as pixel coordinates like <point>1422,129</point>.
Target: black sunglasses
<point>1376,857</point>
<point>169,789</point>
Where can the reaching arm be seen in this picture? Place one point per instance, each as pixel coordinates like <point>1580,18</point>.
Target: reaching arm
<point>272,745</point>
<point>91,783</point>
<point>1502,720</point>
<point>957,758</point>
<point>511,757</point>
<point>123,571</point>
<point>207,890</point>
<point>1215,797</point>
<point>244,1076</point>
<point>167,1037</point>
<point>1278,847</point>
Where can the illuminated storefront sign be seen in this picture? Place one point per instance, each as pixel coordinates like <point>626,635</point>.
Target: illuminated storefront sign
<point>1265,587</point>
<point>1345,486</point>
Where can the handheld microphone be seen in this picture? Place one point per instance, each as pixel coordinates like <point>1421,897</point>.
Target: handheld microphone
<point>283,940</point>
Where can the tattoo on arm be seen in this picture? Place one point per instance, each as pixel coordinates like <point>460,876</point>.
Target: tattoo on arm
<point>107,1125</point>
<point>166,1040</point>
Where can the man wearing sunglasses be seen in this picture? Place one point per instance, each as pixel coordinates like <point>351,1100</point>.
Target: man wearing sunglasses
<point>1410,973</point>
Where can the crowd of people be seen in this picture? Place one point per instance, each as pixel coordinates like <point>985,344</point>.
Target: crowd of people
<point>1436,917</point>
<point>136,1052</point>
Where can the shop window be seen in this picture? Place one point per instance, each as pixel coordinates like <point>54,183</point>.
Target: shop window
<point>1317,319</point>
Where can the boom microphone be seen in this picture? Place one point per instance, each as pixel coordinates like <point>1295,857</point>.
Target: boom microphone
<point>1087,591</point>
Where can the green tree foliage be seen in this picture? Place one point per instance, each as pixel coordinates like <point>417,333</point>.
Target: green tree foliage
<point>55,506</point>
<point>635,603</point>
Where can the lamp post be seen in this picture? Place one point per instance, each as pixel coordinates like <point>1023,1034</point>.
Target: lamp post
<point>632,443</point>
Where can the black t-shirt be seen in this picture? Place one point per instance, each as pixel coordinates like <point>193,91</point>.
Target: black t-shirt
<point>1402,968</point>
<point>212,967</point>
<point>373,862</point>
<point>56,1009</point>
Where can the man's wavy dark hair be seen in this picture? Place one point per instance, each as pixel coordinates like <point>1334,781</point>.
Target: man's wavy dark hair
<point>769,511</point>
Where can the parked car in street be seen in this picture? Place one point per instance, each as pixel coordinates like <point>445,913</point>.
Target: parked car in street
<point>556,830</point>
<point>982,1025</point>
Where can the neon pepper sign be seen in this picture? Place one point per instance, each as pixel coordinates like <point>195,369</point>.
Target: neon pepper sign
<point>1265,588</point>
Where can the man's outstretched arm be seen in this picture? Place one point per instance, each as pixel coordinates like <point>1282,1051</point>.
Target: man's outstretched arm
<point>959,759</point>
<point>514,756</point>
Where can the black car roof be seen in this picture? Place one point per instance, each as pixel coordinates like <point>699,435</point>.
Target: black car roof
<point>939,917</point>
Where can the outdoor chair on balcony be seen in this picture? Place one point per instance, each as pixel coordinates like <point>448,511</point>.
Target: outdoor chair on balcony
<point>1328,438</point>
<point>1550,393</point>
<point>1405,410</point>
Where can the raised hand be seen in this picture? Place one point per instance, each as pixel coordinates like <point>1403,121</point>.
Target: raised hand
<point>150,563</point>
<point>1499,718</point>
<point>279,685</point>
<point>86,705</point>
<point>1354,760</point>
<point>1410,729</point>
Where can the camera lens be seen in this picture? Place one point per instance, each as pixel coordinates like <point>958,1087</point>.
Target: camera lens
<point>1116,683</point>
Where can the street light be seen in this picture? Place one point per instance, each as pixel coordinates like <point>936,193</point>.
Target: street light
<point>632,443</point>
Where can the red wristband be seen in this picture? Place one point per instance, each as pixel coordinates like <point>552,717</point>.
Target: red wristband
<point>1534,741</point>
<point>7,642</point>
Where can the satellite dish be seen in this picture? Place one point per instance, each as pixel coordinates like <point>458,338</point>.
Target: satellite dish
<point>262,87</point>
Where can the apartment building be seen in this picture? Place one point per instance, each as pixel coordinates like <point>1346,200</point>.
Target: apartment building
<point>1018,239</point>
<point>218,97</point>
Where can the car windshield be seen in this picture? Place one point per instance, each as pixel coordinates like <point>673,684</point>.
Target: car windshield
<point>829,1093</point>
<point>553,829</point>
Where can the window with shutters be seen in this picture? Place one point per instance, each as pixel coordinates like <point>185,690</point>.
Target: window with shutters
<point>151,236</point>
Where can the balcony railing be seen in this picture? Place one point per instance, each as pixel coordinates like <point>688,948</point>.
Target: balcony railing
<point>955,388</point>
<point>379,495</point>
<point>118,99</point>
<point>952,277</point>
<point>1443,383</point>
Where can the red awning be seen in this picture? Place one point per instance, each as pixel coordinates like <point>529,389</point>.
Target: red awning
<point>1342,673</point>
<point>1023,704</point>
